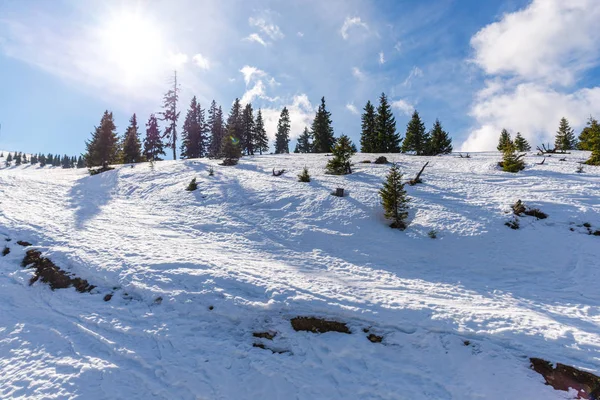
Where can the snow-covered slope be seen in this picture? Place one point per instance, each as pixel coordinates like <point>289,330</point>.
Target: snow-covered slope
<point>248,251</point>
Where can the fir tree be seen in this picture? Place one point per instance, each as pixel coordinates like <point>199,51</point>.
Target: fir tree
<point>42,159</point>
<point>248,130</point>
<point>565,136</point>
<point>282,137</point>
<point>230,150</point>
<point>18,158</point>
<point>342,153</point>
<point>103,147</point>
<point>50,159</point>
<point>439,141</point>
<point>170,115</point>
<point>416,137</point>
<point>153,144</point>
<point>9,159</point>
<point>395,199</point>
<point>261,140</point>
<point>304,176</point>
<point>216,128</point>
<point>387,140</point>
<point>594,143</point>
<point>511,160</point>
<point>521,143</point>
<point>194,135</point>
<point>80,162</point>
<point>57,161</point>
<point>586,137</point>
<point>34,159</point>
<point>66,161</point>
<point>303,144</point>
<point>368,134</point>
<point>322,131</point>
<point>25,160</point>
<point>235,122</point>
<point>504,141</point>
<point>132,148</point>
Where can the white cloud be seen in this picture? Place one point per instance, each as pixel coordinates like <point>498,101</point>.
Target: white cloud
<point>258,78</point>
<point>301,115</point>
<point>398,46</point>
<point>381,57</point>
<point>201,61</point>
<point>415,72</point>
<point>533,56</point>
<point>403,106</point>
<point>251,72</point>
<point>550,40</point>
<point>351,22</point>
<point>178,59</point>
<point>352,108</point>
<point>255,37</point>
<point>300,34</point>
<point>358,74</point>
<point>269,29</point>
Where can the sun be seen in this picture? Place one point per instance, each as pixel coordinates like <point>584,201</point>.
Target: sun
<point>132,43</point>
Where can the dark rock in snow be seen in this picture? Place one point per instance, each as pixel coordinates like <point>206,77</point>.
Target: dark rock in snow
<point>49,273</point>
<point>564,377</point>
<point>318,325</point>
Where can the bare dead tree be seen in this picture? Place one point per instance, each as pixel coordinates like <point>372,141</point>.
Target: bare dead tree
<point>417,178</point>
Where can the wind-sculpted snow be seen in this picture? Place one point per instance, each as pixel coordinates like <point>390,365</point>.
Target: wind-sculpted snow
<point>261,250</point>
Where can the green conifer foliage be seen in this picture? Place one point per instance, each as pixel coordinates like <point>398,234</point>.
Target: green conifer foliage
<point>342,153</point>
<point>395,199</point>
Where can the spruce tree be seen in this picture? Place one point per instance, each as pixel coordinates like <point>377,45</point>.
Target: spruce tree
<point>261,140</point>
<point>387,140</point>
<point>153,144</point>
<point>439,141</point>
<point>368,134</point>
<point>342,153</point>
<point>25,160</point>
<point>50,159</point>
<point>57,161</point>
<point>34,159</point>
<point>216,127</point>
<point>235,121</point>
<point>9,159</point>
<point>504,141</point>
<point>282,137</point>
<point>304,176</point>
<point>103,147</point>
<point>511,160</point>
<point>586,137</point>
<point>170,115</point>
<point>80,162</point>
<point>42,159</point>
<point>248,130</point>
<point>66,161</point>
<point>416,137</point>
<point>132,148</point>
<point>322,131</point>
<point>565,136</point>
<point>303,145</point>
<point>594,142</point>
<point>395,199</point>
<point>18,158</point>
<point>521,143</point>
<point>231,150</point>
<point>194,134</point>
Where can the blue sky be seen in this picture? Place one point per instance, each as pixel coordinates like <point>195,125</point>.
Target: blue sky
<point>478,66</point>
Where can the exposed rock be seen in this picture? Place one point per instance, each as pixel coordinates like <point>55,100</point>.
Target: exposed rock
<point>381,160</point>
<point>318,325</point>
<point>265,335</point>
<point>5,251</point>
<point>374,338</point>
<point>49,273</point>
<point>108,297</point>
<point>23,243</point>
<point>564,377</point>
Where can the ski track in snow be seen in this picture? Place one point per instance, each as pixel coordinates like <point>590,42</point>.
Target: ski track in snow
<point>262,249</point>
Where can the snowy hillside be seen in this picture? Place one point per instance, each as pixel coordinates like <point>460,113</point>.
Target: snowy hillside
<point>194,274</point>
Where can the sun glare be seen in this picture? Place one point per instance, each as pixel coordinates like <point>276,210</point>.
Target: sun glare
<point>132,44</point>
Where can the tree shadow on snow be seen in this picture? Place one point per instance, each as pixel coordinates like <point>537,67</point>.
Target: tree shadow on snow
<point>90,194</point>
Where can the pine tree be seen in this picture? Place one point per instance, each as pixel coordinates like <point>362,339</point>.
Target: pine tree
<point>387,140</point>
<point>103,147</point>
<point>594,144</point>
<point>80,162</point>
<point>586,137</point>
<point>248,130</point>
<point>565,136</point>
<point>416,137</point>
<point>66,161</point>
<point>521,143</point>
<point>194,135</point>
<point>170,115</point>
<point>18,158</point>
<point>304,176</point>
<point>42,159</point>
<point>368,134</point>
<point>303,144</point>
<point>57,161</point>
<point>322,131</point>
<point>34,159</point>
<point>50,159</point>
<point>25,160</point>
<point>231,150</point>
<point>342,153</point>
<point>9,159</point>
<point>235,121</point>
<point>504,141</point>
<point>132,148</point>
<point>439,141</point>
<point>153,144</point>
<point>395,199</point>
<point>261,140</point>
<point>511,160</point>
<point>216,129</point>
<point>282,137</point>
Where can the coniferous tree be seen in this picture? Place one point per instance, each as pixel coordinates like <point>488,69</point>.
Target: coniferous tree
<point>511,160</point>
<point>50,160</point>
<point>73,161</point>
<point>368,134</point>
<point>194,133</point>
<point>231,150</point>
<point>132,147</point>
<point>66,161</point>
<point>586,137</point>
<point>303,144</point>
<point>261,140</point>
<point>42,159</point>
<point>504,141</point>
<point>248,130</point>
<point>216,127</point>
<point>521,144</point>
<point>439,141</point>
<point>80,162</point>
<point>565,136</point>
<point>304,176</point>
<point>153,144</point>
<point>322,131</point>
<point>387,140</point>
<point>416,138</point>
<point>235,121</point>
<point>282,137</point>
<point>57,161</point>
<point>34,159</point>
<point>170,115</point>
<point>395,199</point>
<point>342,153</point>
<point>594,143</point>
<point>25,160</point>
<point>103,147</point>
<point>9,159</point>
<point>18,158</point>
